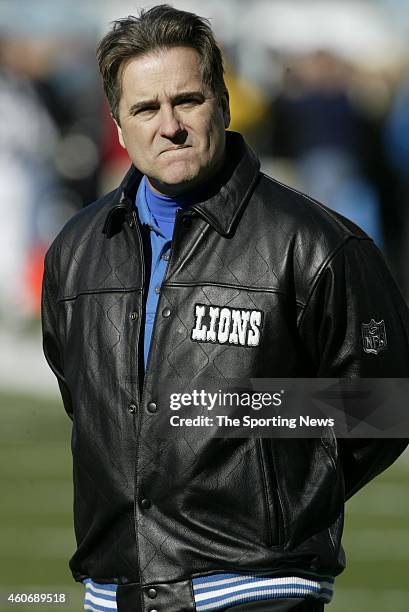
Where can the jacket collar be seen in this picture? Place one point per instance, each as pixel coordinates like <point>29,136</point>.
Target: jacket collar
<point>220,203</point>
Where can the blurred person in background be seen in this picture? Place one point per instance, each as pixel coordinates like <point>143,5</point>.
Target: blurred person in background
<point>397,150</point>
<point>49,130</point>
<point>198,265</point>
<point>28,136</point>
<point>318,124</point>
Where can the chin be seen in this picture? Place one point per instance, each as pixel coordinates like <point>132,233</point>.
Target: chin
<point>181,171</point>
<point>177,178</point>
<point>174,184</point>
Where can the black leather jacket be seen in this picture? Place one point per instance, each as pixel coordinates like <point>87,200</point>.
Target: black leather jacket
<point>150,511</point>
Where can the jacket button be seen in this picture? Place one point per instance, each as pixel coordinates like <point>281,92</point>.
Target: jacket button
<point>132,408</point>
<point>152,407</point>
<point>152,593</point>
<point>133,316</point>
<point>146,504</point>
<point>187,222</point>
<point>166,313</point>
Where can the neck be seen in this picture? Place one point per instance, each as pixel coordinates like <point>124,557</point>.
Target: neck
<point>162,207</point>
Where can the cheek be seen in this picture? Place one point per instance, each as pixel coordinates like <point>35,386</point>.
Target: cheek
<point>216,135</point>
<point>137,137</point>
<point>209,138</point>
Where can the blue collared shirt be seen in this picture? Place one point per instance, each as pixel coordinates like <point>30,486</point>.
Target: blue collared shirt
<point>158,212</point>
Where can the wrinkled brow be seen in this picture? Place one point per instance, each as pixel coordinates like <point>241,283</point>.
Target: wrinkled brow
<point>176,99</point>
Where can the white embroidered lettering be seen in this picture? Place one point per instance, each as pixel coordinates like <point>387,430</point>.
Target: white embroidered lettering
<point>214,315</point>
<point>253,338</point>
<point>199,330</point>
<point>240,320</point>
<point>224,325</point>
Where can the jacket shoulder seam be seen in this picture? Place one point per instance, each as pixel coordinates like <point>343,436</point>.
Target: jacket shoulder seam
<point>319,205</point>
<point>92,211</point>
<point>324,266</point>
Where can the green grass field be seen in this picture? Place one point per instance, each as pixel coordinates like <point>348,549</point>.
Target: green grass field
<point>36,518</point>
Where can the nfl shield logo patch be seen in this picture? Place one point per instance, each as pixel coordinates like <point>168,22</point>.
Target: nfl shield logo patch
<point>374,336</point>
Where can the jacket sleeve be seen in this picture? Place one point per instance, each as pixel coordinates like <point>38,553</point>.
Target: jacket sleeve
<point>351,289</point>
<point>51,340</point>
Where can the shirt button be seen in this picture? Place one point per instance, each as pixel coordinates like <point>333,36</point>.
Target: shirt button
<point>133,316</point>
<point>146,504</point>
<point>157,289</point>
<point>166,313</point>
<point>132,408</point>
<point>152,593</point>
<point>152,407</point>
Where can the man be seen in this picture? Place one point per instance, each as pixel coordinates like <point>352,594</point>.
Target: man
<point>171,524</point>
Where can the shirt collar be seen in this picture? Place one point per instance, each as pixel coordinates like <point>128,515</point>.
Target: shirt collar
<point>145,215</point>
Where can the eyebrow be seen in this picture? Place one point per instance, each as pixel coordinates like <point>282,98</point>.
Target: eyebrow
<point>154,102</point>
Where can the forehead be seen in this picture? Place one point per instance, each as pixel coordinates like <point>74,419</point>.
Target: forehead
<point>164,71</point>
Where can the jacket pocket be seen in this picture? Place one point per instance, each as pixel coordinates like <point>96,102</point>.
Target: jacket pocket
<point>310,485</point>
<point>275,535</point>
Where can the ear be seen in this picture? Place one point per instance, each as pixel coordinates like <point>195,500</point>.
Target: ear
<point>119,130</point>
<point>225,108</point>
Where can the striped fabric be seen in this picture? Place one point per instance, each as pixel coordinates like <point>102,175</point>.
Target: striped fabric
<point>219,591</point>
<point>99,597</point>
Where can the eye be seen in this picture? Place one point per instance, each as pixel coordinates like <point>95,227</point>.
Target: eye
<point>144,110</point>
<point>189,101</point>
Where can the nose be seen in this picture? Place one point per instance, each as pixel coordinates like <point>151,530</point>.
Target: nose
<point>170,125</point>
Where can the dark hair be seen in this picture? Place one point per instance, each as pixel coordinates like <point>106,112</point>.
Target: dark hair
<point>160,27</point>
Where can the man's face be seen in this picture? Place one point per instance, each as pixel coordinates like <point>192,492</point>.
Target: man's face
<point>171,122</point>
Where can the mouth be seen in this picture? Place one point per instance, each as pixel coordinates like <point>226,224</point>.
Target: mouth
<point>175,148</point>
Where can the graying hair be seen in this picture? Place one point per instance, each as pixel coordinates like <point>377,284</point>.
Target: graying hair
<point>161,27</point>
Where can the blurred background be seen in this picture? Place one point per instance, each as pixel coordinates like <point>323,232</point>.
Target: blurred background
<point>320,88</point>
